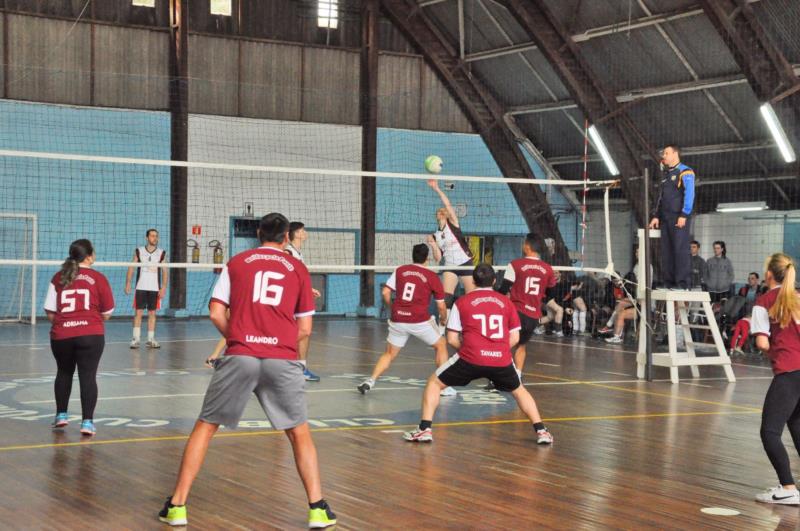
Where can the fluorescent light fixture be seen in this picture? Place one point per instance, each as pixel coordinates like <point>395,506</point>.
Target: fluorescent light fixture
<point>753,206</point>
<point>328,14</point>
<point>601,148</point>
<point>768,113</point>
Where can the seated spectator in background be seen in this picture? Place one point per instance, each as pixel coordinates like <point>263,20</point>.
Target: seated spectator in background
<point>583,293</point>
<point>741,304</point>
<point>699,268</point>
<point>555,298</point>
<point>624,290</point>
<point>720,273</point>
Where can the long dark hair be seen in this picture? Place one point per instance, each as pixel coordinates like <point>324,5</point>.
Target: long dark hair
<point>79,250</point>
<point>724,249</point>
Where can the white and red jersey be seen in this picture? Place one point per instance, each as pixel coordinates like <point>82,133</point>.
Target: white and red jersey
<point>784,343</point>
<point>147,275</point>
<point>294,251</point>
<point>413,286</point>
<point>453,245</point>
<point>485,319</point>
<point>530,277</point>
<point>266,290</point>
<point>80,306</point>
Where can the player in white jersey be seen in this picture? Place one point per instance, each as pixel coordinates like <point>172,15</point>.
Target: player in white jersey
<point>297,236</point>
<point>150,287</point>
<point>450,247</point>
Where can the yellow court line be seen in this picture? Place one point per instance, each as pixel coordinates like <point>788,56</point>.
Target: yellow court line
<point>641,392</point>
<point>373,428</point>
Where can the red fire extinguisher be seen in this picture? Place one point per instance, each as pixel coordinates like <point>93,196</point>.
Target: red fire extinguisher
<point>195,247</point>
<point>219,256</point>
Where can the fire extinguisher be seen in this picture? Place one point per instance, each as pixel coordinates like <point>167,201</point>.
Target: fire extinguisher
<point>195,247</point>
<point>219,256</point>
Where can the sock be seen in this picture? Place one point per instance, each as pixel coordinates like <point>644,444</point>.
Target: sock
<point>538,426</point>
<point>137,334</point>
<point>303,362</point>
<point>519,373</point>
<point>576,321</point>
<point>321,504</point>
<point>581,322</point>
<point>425,424</point>
<point>151,335</point>
<point>370,381</point>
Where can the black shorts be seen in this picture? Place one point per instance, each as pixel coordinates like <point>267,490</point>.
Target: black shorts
<point>529,324</point>
<point>458,372</point>
<point>461,272</point>
<point>145,300</point>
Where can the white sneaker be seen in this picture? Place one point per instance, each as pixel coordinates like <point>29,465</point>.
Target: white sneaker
<point>559,334</point>
<point>153,344</point>
<point>366,386</point>
<point>539,330</point>
<point>779,495</point>
<point>614,339</point>
<point>418,435</point>
<point>544,437</point>
<point>134,343</point>
<point>448,391</point>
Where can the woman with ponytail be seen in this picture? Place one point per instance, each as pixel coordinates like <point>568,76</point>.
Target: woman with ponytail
<point>776,325</point>
<point>79,299</point>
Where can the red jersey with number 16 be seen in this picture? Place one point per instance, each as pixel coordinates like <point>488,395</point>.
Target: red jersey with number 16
<point>266,290</point>
<point>485,319</point>
<point>413,286</point>
<point>79,307</point>
<point>531,277</point>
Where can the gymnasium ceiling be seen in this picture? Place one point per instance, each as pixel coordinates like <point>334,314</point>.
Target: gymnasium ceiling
<point>714,116</point>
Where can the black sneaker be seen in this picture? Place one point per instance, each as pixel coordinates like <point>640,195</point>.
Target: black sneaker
<point>490,387</point>
<point>366,386</point>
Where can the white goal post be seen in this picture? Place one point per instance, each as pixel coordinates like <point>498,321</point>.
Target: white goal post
<point>29,250</point>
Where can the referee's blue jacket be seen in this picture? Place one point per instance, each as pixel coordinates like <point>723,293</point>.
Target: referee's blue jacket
<point>676,195</point>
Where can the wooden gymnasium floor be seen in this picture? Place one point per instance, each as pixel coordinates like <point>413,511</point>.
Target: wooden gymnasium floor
<point>627,454</point>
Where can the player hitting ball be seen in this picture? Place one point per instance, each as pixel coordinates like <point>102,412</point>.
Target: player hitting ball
<point>482,327</point>
<point>414,285</point>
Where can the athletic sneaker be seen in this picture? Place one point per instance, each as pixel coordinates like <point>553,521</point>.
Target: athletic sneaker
<point>605,330</point>
<point>543,436</point>
<point>134,343</point>
<point>153,344</point>
<point>310,376</point>
<point>320,518</point>
<point>366,386</point>
<point>173,514</point>
<point>418,435</point>
<point>490,387</point>
<point>615,339</point>
<point>779,495</point>
<point>539,330</point>
<point>62,419</point>
<point>559,334</point>
<point>448,391</point>
<point>87,428</point>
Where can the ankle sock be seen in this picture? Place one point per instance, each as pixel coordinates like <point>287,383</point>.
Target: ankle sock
<point>538,426</point>
<point>425,424</point>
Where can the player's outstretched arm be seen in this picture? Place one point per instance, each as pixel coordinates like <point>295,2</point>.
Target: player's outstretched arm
<point>451,213</point>
<point>434,247</point>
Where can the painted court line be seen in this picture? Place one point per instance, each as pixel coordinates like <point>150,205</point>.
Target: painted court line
<point>548,364</point>
<point>45,345</point>
<point>441,425</point>
<point>616,373</point>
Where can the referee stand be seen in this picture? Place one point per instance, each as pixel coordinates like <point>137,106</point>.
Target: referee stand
<point>678,304</point>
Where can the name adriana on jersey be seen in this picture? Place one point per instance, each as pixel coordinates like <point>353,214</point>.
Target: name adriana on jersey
<point>79,307</point>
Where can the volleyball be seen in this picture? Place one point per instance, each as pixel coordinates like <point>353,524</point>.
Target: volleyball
<point>433,164</point>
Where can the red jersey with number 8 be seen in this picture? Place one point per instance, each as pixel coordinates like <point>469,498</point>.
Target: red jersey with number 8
<point>79,307</point>
<point>413,286</point>
<point>485,319</point>
<point>266,290</point>
<point>531,277</point>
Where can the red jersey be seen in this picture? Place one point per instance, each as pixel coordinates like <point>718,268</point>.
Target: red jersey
<point>485,319</point>
<point>784,343</point>
<point>531,278</point>
<point>266,290</point>
<point>80,306</point>
<point>413,286</point>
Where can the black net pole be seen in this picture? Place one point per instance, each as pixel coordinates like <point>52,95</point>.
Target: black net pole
<point>647,283</point>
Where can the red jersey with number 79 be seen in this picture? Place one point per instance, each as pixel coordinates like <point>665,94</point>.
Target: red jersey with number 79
<point>485,319</point>
<point>413,286</point>
<point>531,277</point>
<point>266,291</point>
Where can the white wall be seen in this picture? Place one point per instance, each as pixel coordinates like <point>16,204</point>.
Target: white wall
<point>622,231</point>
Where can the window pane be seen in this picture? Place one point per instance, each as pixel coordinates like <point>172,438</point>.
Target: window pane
<point>144,3</point>
<point>221,7</point>
<point>327,14</point>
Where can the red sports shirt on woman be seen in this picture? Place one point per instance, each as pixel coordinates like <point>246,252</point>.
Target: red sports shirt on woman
<point>784,343</point>
<point>80,306</point>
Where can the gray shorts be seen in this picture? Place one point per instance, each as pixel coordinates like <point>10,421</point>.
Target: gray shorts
<point>279,386</point>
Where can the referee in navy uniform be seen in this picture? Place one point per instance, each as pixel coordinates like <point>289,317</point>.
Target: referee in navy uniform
<point>672,212</point>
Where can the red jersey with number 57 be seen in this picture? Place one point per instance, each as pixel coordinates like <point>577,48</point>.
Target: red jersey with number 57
<point>266,290</point>
<point>531,277</point>
<point>413,286</point>
<point>485,319</point>
<point>80,306</point>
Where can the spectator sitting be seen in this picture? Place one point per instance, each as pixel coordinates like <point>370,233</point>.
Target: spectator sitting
<point>555,310</point>
<point>742,303</point>
<point>739,336</point>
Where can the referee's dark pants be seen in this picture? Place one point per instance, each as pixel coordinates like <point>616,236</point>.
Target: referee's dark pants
<point>676,260</point>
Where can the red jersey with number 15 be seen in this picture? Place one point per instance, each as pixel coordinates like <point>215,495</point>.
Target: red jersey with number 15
<point>531,277</point>
<point>413,286</point>
<point>80,306</point>
<point>485,319</point>
<point>266,290</point>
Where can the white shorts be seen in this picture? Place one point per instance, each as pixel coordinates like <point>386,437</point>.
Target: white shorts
<point>427,331</point>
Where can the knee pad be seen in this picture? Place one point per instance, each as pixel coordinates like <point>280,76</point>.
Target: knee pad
<point>449,299</point>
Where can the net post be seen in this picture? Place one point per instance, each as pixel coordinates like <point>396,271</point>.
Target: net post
<point>369,150</point>
<point>34,269</point>
<point>647,294</point>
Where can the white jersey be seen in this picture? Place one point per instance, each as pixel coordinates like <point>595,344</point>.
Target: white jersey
<point>453,245</point>
<point>148,278</point>
<point>294,251</point>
